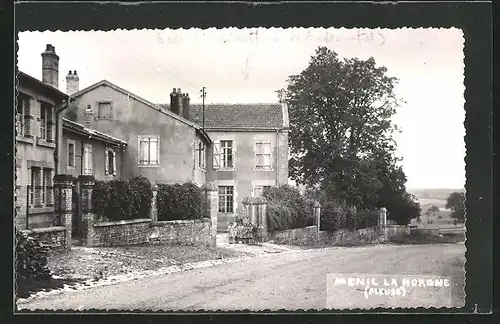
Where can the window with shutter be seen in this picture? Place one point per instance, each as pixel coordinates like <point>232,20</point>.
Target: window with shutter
<point>87,159</point>
<point>149,150</point>
<point>263,155</point>
<point>226,154</point>
<point>104,110</point>
<point>71,154</point>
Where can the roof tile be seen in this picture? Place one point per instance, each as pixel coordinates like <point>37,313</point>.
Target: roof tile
<point>237,116</point>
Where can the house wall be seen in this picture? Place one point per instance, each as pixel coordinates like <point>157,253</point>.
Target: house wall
<point>32,152</point>
<point>98,157</point>
<point>132,118</point>
<point>244,177</point>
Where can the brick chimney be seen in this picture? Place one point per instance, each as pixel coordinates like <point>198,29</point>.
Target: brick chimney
<point>50,66</point>
<point>185,105</point>
<point>175,102</point>
<point>88,117</point>
<point>72,82</point>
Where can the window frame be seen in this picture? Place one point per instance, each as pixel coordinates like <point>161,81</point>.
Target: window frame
<point>20,112</point>
<point>224,158</point>
<point>111,112</point>
<point>143,138</point>
<point>201,156</point>
<point>88,166</point>
<point>226,206</point>
<point>108,163</point>
<point>263,167</point>
<point>43,121</point>
<point>73,157</point>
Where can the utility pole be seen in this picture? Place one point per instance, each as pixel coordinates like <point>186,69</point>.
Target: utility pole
<point>203,96</point>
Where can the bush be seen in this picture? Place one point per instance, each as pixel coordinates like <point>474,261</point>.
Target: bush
<point>279,217</point>
<point>122,199</point>
<point>289,209</point>
<point>335,216</point>
<point>178,202</point>
<point>367,218</point>
<point>31,257</point>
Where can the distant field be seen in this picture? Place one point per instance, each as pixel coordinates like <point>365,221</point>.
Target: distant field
<point>444,222</point>
<point>433,193</point>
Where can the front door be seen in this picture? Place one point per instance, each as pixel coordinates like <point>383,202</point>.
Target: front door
<point>226,210</point>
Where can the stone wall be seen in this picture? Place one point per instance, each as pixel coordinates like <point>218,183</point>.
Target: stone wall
<point>395,230</point>
<point>140,231</point>
<point>126,232</point>
<point>343,236</point>
<point>54,237</point>
<point>181,232</point>
<point>297,236</point>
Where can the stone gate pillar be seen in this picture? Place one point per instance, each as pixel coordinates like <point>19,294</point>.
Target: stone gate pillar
<point>210,189</point>
<point>63,204</point>
<point>382,223</point>
<point>317,217</point>
<point>154,204</point>
<point>86,187</point>
<point>261,204</point>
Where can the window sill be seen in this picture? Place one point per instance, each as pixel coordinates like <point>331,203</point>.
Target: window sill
<point>43,142</point>
<point>263,170</point>
<point>148,165</point>
<point>24,139</point>
<point>41,210</point>
<point>226,169</point>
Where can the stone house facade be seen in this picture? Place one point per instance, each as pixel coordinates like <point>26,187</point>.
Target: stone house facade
<point>38,107</point>
<point>90,152</point>
<point>249,151</point>
<point>161,145</point>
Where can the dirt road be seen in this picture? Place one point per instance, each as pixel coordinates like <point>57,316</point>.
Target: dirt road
<point>294,280</point>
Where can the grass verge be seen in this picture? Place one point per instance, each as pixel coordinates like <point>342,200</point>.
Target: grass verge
<point>423,238</point>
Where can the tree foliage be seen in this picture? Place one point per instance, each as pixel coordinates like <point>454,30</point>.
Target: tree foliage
<point>455,202</point>
<point>341,133</point>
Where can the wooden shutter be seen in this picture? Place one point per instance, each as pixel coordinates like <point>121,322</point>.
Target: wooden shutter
<point>234,154</point>
<point>106,162</point>
<point>38,114</point>
<point>114,163</point>
<point>89,159</point>
<point>216,154</point>
<point>85,159</point>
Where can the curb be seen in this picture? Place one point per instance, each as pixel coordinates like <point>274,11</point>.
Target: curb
<point>91,283</point>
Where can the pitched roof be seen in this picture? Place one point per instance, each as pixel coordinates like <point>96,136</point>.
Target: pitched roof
<point>49,87</point>
<point>81,129</point>
<point>134,96</point>
<point>256,116</point>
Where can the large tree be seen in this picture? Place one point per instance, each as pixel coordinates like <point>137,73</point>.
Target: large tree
<point>455,202</point>
<point>341,133</point>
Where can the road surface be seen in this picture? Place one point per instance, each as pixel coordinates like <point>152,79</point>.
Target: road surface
<point>282,281</point>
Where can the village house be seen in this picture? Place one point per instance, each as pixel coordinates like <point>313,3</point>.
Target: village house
<point>249,151</point>
<point>38,108</point>
<point>160,145</point>
<point>48,144</point>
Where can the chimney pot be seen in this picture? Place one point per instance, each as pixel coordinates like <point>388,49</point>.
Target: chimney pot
<point>50,66</point>
<point>178,90</point>
<point>72,83</point>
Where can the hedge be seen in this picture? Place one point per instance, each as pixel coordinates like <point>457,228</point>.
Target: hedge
<point>122,199</point>
<point>287,208</point>
<point>31,257</point>
<point>335,216</point>
<point>179,202</point>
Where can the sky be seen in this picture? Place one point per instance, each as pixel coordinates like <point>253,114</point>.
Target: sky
<point>249,65</point>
